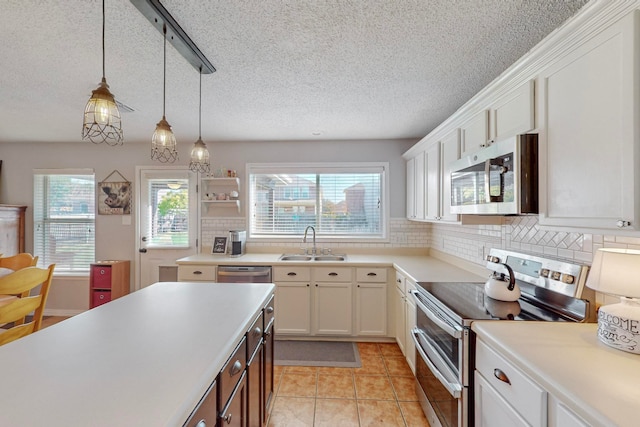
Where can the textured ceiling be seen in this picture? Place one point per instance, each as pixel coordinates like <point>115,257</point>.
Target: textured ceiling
<point>286,70</point>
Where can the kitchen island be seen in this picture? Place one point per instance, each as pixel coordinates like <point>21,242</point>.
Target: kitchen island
<point>587,382</point>
<point>145,359</point>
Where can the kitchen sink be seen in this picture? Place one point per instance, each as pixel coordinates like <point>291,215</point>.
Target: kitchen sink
<point>299,257</point>
<point>286,257</point>
<point>330,258</point>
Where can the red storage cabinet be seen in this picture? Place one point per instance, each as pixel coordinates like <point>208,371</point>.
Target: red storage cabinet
<point>108,280</point>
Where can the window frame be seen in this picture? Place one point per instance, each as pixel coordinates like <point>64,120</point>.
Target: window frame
<point>322,168</point>
<point>41,205</point>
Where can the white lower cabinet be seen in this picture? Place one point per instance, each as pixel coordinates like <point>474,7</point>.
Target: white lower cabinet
<point>332,308</point>
<point>507,391</point>
<point>400,314</point>
<point>491,408</point>
<point>561,416</point>
<point>410,319</point>
<point>371,302</point>
<point>505,396</point>
<point>293,300</point>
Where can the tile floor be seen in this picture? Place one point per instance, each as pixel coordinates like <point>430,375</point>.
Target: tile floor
<point>380,393</point>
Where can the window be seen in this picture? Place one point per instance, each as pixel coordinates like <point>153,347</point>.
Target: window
<point>64,219</point>
<point>167,225</point>
<point>343,201</point>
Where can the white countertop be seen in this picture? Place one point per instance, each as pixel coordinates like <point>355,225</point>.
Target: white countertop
<point>420,268</point>
<point>144,359</point>
<point>597,382</point>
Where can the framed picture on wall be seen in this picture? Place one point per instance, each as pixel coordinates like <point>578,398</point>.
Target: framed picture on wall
<point>219,246</point>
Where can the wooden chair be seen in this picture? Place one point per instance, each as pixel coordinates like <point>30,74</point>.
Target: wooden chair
<point>19,261</point>
<point>16,302</point>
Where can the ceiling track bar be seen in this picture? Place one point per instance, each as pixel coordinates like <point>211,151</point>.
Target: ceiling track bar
<point>155,12</point>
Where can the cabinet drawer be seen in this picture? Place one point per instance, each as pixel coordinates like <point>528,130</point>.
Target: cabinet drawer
<point>525,396</point>
<point>196,273</point>
<point>254,335</point>
<point>206,411</point>
<point>100,297</point>
<point>291,274</point>
<point>371,275</point>
<point>269,313</point>
<point>332,274</point>
<point>231,372</point>
<point>101,276</point>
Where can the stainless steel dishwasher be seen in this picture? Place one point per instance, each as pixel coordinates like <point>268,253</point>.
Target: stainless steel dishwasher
<point>244,274</point>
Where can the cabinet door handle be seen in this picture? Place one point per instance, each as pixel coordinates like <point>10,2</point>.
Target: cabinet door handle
<point>371,274</point>
<point>227,419</point>
<point>291,274</point>
<point>236,368</point>
<point>197,272</point>
<point>499,374</point>
<point>333,274</point>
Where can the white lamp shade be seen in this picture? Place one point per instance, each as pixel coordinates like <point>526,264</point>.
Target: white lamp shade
<point>616,272</point>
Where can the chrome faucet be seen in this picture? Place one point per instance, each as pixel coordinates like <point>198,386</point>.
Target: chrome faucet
<point>304,239</point>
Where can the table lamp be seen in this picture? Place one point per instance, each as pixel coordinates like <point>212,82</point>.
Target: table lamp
<point>617,272</point>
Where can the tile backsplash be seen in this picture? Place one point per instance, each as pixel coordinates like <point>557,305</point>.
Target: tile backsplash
<point>469,242</point>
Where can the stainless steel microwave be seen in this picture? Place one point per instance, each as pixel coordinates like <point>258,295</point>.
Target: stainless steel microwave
<point>501,179</point>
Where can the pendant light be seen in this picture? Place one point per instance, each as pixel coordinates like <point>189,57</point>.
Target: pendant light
<point>163,142</point>
<point>199,153</point>
<point>101,115</point>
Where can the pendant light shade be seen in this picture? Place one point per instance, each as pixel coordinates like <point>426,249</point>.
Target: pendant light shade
<point>101,115</point>
<point>163,142</point>
<point>199,153</point>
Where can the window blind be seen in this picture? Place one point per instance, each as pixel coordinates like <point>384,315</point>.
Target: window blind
<point>338,202</point>
<point>64,219</point>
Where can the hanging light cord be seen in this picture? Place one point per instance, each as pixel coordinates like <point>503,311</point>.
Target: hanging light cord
<point>200,108</point>
<point>164,68</point>
<point>103,19</point>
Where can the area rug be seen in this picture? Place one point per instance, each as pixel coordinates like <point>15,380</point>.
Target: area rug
<point>317,353</point>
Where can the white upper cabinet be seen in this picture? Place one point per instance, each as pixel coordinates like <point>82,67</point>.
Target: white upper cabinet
<point>449,152</point>
<point>514,113</point>
<point>416,187</point>
<point>429,180</point>
<point>589,154</point>
<point>432,174</point>
<point>474,133</point>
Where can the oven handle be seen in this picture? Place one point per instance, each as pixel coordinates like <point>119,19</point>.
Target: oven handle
<point>446,326</point>
<point>454,389</point>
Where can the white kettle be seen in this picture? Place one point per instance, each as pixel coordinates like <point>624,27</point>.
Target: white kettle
<point>498,287</point>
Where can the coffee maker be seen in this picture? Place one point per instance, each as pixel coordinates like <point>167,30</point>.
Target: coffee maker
<point>237,242</point>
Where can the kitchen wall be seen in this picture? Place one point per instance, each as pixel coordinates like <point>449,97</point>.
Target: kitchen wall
<point>115,236</point>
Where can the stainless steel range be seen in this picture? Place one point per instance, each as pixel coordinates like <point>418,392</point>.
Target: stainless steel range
<point>550,290</point>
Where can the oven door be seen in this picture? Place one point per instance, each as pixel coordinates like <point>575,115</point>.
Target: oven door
<point>440,363</point>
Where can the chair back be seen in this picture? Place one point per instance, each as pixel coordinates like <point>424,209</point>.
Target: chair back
<point>19,261</point>
<point>17,302</point>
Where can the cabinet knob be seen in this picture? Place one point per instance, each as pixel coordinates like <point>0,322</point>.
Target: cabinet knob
<point>499,374</point>
<point>202,423</point>
<point>257,332</point>
<point>269,310</point>
<point>623,223</point>
<point>227,419</point>
<point>236,368</point>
